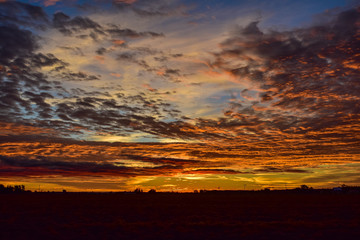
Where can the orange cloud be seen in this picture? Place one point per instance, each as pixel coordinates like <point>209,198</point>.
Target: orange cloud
<point>161,72</point>
<point>115,74</point>
<point>7,129</point>
<point>148,87</point>
<point>118,42</point>
<point>100,59</point>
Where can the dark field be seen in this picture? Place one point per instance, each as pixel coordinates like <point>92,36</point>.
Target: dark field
<point>180,216</point>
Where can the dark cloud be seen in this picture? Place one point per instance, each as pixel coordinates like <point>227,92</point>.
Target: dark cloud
<point>131,57</point>
<point>79,76</point>
<point>67,157</point>
<point>214,171</point>
<point>177,55</point>
<point>45,154</point>
<point>15,44</point>
<point>153,8</point>
<point>45,60</point>
<point>176,162</point>
<point>23,88</point>
<point>119,116</point>
<point>117,32</point>
<point>26,91</point>
<point>23,166</point>
<point>270,169</point>
<point>45,157</point>
<point>78,25</point>
<point>68,26</point>
<point>169,72</point>
<point>12,12</point>
<point>307,81</point>
<point>127,56</point>
<point>101,51</point>
<point>74,50</point>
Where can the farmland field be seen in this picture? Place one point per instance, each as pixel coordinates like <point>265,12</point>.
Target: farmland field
<point>180,216</point>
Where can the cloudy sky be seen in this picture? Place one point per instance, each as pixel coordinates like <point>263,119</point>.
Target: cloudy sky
<point>111,95</point>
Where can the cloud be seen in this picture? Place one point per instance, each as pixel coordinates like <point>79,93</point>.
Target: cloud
<point>79,76</point>
<point>15,44</point>
<point>304,81</point>
<point>21,13</point>
<point>85,27</point>
<point>213,171</point>
<point>20,166</point>
<point>27,91</point>
<point>50,2</point>
<point>276,110</point>
<point>179,156</point>
<point>125,1</point>
<point>115,31</point>
<point>23,88</point>
<point>145,8</point>
<point>8,129</point>
<point>68,157</point>
<point>77,164</point>
<point>271,169</point>
<point>68,25</point>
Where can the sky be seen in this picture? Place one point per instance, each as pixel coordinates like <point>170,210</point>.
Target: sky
<point>113,95</point>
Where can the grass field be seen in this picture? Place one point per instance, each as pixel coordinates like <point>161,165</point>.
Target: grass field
<point>180,216</point>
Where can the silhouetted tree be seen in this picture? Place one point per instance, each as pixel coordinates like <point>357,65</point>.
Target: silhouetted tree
<point>304,187</point>
<point>12,189</point>
<point>152,191</point>
<point>19,188</point>
<point>138,190</point>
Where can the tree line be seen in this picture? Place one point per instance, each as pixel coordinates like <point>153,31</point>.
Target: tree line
<point>12,189</point>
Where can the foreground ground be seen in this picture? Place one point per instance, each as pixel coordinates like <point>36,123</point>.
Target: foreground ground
<point>180,216</point>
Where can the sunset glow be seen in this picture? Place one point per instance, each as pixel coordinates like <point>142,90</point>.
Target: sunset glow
<point>179,95</point>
